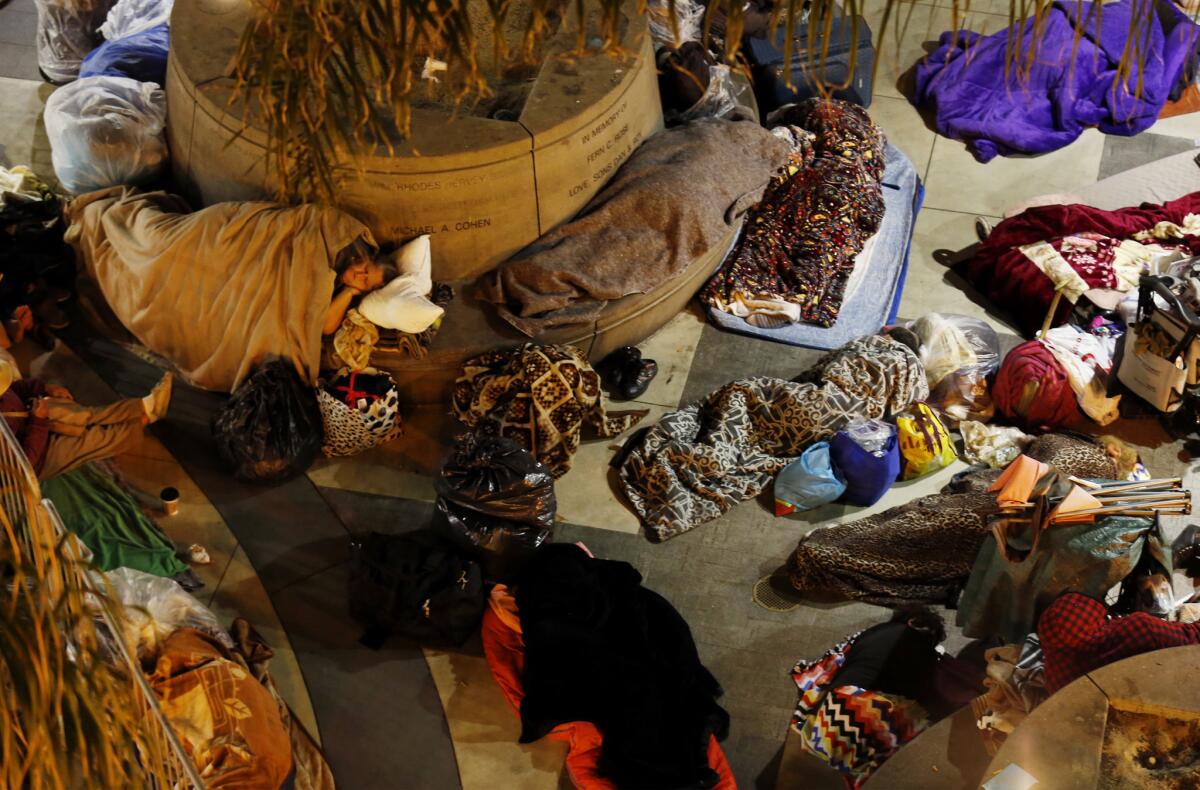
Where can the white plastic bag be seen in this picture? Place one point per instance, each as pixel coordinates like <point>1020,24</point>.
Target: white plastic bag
<point>688,13</point>
<point>155,607</point>
<point>128,17</point>
<point>106,131</point>
<point>67,31</point>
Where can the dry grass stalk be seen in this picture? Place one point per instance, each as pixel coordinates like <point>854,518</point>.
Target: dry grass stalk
<point>329,79</point>
<point>68,716</point>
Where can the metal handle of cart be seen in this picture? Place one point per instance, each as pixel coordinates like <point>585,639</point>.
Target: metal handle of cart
<point>1148,289</point>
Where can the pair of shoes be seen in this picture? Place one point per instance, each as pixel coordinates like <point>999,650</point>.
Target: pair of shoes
<point>626,374</point>
<point>159,400</point>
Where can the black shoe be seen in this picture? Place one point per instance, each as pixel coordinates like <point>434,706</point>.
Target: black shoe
<point>1185,551</point>
<point>614,368</point>
<point>637,378</point>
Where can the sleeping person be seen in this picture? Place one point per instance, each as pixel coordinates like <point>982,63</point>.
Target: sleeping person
<point>358,272</point>
<point>220,290</point>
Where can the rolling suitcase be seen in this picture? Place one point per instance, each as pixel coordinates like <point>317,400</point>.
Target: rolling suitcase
<point>847,41</point>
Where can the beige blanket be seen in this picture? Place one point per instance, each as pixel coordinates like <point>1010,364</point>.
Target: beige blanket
<point>215,291</point>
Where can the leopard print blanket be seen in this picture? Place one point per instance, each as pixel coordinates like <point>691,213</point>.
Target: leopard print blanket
<point>698,462</point>
<point>538,396</point>
<point>923,551</point>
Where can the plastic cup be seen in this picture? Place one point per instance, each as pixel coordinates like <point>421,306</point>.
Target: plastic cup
<point>170,500</point>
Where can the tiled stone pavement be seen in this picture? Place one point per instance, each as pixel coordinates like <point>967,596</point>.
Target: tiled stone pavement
<point>412,718</point>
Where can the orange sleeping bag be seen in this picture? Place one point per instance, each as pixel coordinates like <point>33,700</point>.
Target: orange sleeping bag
<point>505,651</point>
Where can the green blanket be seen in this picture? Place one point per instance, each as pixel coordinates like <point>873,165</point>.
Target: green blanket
<point>110,523</point>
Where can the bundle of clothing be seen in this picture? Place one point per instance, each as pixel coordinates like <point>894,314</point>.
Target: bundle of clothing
<point>959,354</point>
<point>923,551</point>
<point>1032,389</point>
<point>1079,251</point>
<point>230,726</point>
<point>539,396</point>
<point>877,690</point>
<point>698,462</point>
<point>681,193</point>
<point>1035,87</point>
<point>214,688</point>
<point>589,655</point>
<point>219,290</point>
<point>1045,384</point>
<point>800,243</point>
<point>1016,684</point>
<point>1078,636</point>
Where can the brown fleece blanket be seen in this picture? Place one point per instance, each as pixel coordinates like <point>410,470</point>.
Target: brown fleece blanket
<point>677,196</point>
<point>215,291</point>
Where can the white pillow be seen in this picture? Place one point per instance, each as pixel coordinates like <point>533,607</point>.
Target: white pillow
<point>416,259</point>
<point>403,303</point>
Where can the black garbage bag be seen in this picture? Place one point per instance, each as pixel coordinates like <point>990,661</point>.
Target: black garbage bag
<point>496,502</point>
<point>270,429</point>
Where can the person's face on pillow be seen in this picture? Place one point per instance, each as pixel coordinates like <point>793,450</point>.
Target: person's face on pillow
<point>364,274</point>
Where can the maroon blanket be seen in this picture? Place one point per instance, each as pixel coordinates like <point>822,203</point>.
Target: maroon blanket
<point>1011,279</point>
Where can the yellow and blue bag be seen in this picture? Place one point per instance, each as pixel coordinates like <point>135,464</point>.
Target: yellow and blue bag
<point>925,444</point>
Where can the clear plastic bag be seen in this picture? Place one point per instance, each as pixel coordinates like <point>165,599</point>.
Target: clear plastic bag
<point>106,131</point>
<point>688,14</point>
<point>959,353</point>
<point>67,31</point>
<point>719,98</point>
<point>871,435</point>
<point>130,17</point>
<point>991,445</point>
<point>155,607</point>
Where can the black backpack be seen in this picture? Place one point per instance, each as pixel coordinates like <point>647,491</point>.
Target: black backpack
<point>414,585</point>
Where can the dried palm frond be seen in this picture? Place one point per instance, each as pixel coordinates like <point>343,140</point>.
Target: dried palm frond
<point>74,711</point>
<point>328,80</point>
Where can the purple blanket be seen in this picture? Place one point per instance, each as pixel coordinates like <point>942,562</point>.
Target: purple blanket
<point>965,85</point>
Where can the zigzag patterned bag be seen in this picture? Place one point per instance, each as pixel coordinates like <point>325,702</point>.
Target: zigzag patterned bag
<point>851,728</point>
